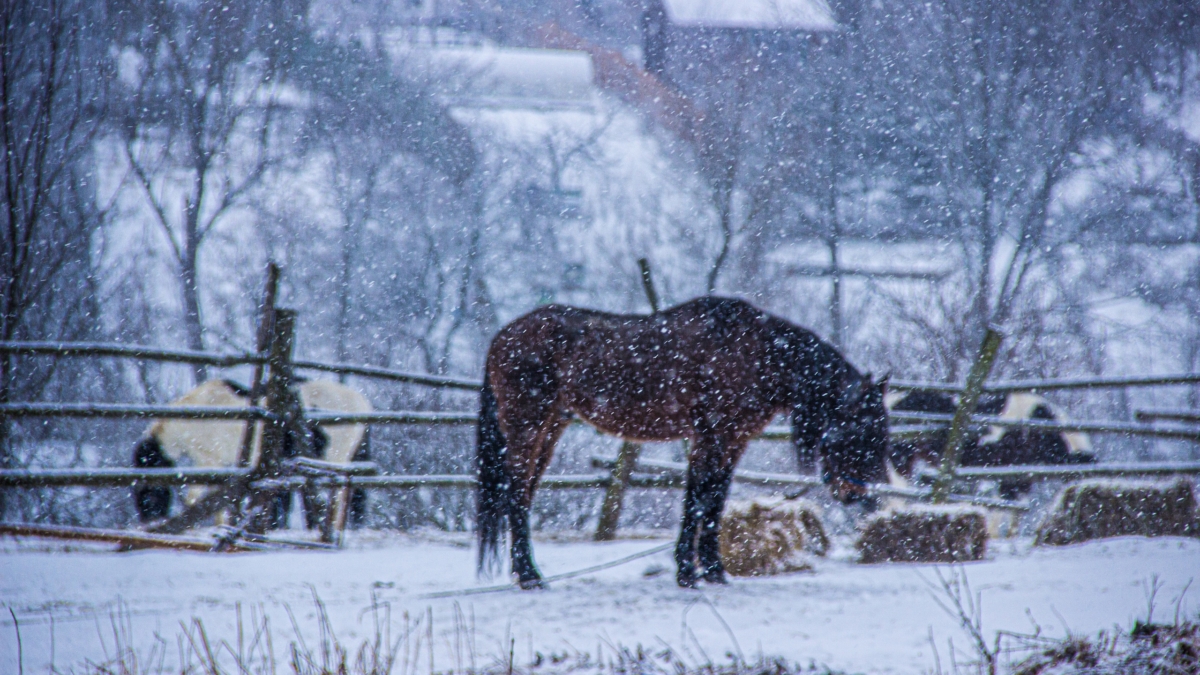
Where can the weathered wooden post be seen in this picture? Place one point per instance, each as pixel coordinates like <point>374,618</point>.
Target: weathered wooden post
<point>614,496</point>
<point>648,284</point>
<point>286,423</point>
<point>967,403</point>
<point>333,527</point>
<point>266,321</point>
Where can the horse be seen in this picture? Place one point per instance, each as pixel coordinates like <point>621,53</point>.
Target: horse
<point>217,443</point>
<point>712,370</point>
<point>998,445</point>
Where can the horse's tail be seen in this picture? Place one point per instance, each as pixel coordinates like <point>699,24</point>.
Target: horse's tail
<point>492,491</point>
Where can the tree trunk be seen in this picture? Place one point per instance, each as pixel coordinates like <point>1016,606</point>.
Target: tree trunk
<point>188,272</point>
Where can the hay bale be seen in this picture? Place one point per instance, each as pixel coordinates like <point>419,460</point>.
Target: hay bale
<point>1097,509</point>
<point>924,534</point>
<point>765,537</point>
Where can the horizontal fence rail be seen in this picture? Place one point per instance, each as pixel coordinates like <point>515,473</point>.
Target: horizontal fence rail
<point>120,411</point>
<point>804,483</point>
<point>118,477</point>
<point>1127,428</point>
<point>128,538</point>
<point>388,374</point>
<point>129,351</point>
<point>1055,384</point>
<point>140,352</point>
<point>1043,472</point>
<point>1169,414</point>
<point>1094,383</point>
<point>415,417</point>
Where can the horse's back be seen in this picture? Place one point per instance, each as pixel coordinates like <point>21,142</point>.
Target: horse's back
<point>638,376</point>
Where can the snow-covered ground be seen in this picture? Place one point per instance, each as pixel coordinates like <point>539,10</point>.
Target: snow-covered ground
<point>871,618</point>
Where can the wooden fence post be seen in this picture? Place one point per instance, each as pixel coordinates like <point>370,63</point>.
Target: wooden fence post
<point>967,402</point>
<point>614,496</point>
<point>287,419</point>
<point>648,284</point>
<point>266,321</point>
<point>610,511</point>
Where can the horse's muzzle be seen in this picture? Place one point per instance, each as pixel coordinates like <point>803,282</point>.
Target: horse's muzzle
<point>848,492</point>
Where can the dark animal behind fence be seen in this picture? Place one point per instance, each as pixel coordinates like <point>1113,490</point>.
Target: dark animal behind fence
<point>217,443</point>
<point>712,370</point>
<point>999,446</point>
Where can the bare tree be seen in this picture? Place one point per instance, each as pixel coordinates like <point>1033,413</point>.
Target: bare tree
<point>196,118</point>
<point>51,98</point>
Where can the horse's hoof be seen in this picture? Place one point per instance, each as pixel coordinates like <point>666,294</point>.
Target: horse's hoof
<point>717,577</point>
<point>532,585</point>
<point>686,581</point>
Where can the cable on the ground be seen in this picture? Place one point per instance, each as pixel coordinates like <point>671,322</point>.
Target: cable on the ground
<point>557,577</point>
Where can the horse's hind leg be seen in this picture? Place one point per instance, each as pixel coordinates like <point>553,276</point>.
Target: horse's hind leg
<point>685,548</point>
<point>703,482</point>
<point>715,493</point>
<point>525,479</point>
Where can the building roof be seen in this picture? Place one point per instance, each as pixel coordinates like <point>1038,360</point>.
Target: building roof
<point>507,77</point>
<point>804,15</point>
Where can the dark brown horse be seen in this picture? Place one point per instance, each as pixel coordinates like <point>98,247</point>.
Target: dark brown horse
<point>712,370</point>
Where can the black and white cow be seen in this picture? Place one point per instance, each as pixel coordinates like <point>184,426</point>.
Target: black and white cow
<point>997,446</point>
<point>216,443</point>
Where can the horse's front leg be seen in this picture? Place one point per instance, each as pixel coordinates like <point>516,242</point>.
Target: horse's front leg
<point>715,494</point>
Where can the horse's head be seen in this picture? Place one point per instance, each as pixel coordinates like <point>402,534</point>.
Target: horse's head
<point>854,446</point>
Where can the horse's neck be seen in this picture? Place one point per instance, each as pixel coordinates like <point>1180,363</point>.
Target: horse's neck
<point>825,372</point>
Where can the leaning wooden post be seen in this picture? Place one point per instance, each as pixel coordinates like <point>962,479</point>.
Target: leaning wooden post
<point>333,528</point>
<point>262,343</point>
<point>614,496</point>
<point>967,403</point>
<point>610,511</point>
<point>285,410</point>
<point>648,284</point>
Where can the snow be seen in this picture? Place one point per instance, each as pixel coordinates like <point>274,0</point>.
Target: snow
<point>876,618</point>
<point>493,77</point>
<point>814,15</point>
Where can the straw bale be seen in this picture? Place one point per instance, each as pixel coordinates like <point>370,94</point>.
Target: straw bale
<point>1097,509</point>
<point>925,534</point>
<point>765,537</point>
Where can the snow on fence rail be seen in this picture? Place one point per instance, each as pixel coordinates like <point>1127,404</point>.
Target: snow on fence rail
<point>1191,433</point>
<point>1169,414</point>
<point>119,477</point>
<point>1042,472</point>
<point>230,360</point>
<point>98,349</point>
<point>1056,384</point>
<point>120,411</point>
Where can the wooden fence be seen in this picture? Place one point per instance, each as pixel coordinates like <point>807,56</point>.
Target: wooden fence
<point>245,488</point>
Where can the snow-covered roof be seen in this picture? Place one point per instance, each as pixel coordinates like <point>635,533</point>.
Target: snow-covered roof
<point>496,77</point>
<point>809,15</point>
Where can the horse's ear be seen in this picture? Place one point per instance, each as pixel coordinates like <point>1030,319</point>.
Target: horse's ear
<point>883,382</point>
<point>853,394</point>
